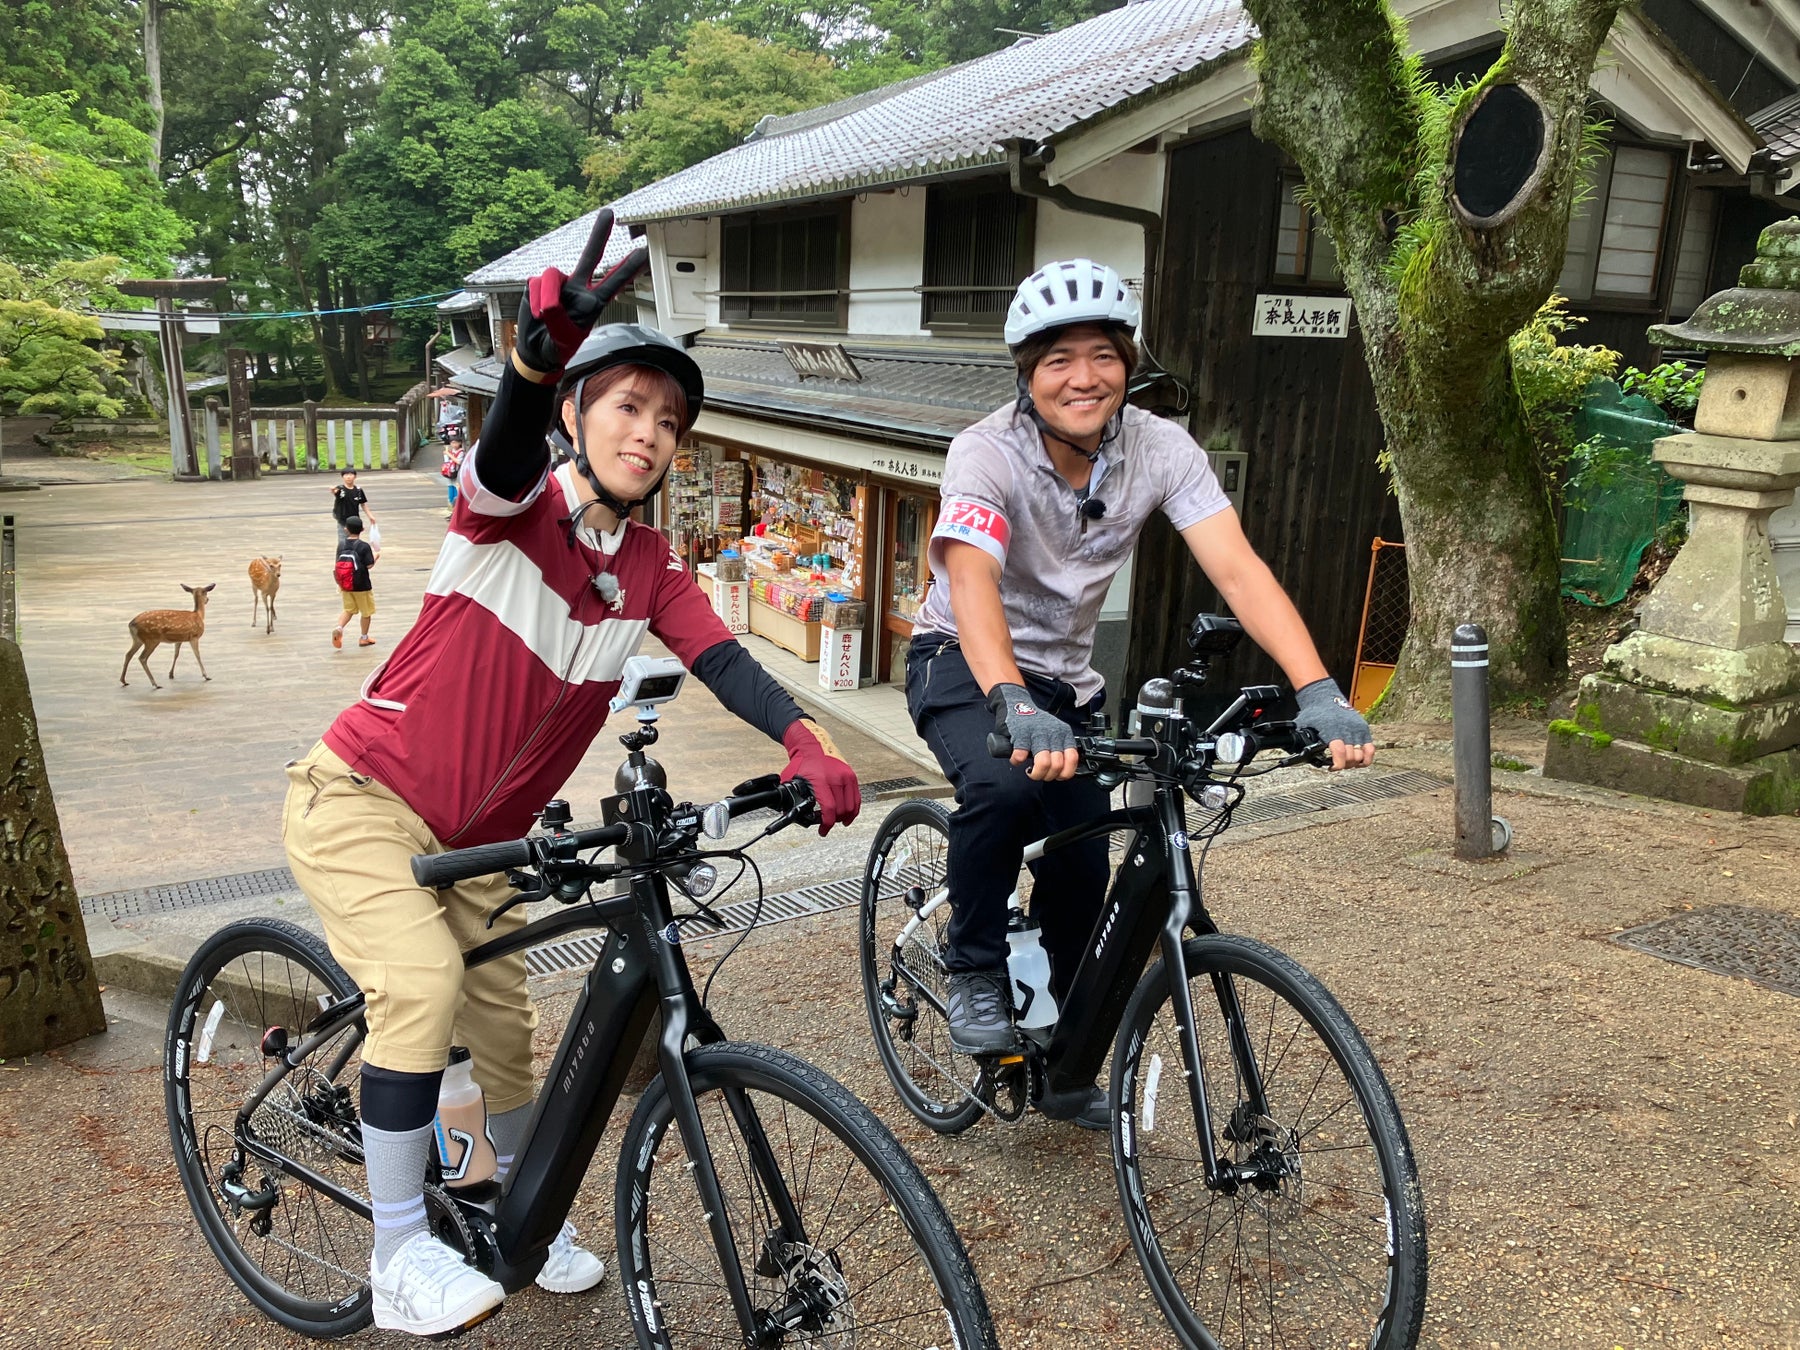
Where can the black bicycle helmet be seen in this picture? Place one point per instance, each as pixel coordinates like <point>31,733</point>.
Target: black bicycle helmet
<point>623,344</point>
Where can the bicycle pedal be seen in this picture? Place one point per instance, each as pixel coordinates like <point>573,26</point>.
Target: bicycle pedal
<point>458,1332</point>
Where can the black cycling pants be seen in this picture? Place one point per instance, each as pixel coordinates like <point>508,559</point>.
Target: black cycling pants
<point>1000,811</point>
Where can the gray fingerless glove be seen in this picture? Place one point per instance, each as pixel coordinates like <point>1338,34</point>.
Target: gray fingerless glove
<point>1028,726</point>
<point>1324,708</point>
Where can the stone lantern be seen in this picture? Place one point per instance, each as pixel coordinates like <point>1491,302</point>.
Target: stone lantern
<point>1702,703</point>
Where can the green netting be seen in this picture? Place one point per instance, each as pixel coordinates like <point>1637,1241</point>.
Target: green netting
<point>1613,511</point>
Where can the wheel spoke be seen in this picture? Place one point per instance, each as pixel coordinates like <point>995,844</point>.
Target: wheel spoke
<point>1293,1248</point>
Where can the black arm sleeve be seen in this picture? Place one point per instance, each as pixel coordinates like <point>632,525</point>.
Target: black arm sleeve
<point>511,454</point>
<point>746,688</point>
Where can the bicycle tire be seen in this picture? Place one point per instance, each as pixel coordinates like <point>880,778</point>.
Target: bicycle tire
<point>914,1044</point>
<point>861,1198</point>
<point>303,1259</point>
<point>1332,1153</point>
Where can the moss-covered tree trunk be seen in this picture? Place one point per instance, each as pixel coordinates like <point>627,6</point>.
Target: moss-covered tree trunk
<point>1437,293</point>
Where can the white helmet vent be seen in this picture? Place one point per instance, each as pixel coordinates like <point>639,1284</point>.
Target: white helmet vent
<point>1076,291</point>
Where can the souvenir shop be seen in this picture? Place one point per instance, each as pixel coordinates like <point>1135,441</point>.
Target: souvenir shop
<point>824,548</point>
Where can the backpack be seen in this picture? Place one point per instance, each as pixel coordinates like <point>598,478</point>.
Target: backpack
<point>345,571</point>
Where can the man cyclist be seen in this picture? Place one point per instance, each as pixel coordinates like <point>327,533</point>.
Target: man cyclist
<point>1043,501</point>
<point>542,591</point>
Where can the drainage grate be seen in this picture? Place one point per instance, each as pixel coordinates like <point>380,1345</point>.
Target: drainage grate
<point>574,954</point>
<point>187,894</point>
<point>883,787</point>
<point>1759,945</point>
<point>1348,791</point>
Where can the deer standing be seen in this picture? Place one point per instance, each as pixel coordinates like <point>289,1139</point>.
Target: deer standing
<point>154,627</point>
<point>265,580</point>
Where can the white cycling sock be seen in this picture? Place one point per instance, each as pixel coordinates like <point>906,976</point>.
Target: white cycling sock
<point>396,1163</point>
<point>507,1130</point>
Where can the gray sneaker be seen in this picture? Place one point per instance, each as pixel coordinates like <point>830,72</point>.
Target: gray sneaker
<point>981,1013</point>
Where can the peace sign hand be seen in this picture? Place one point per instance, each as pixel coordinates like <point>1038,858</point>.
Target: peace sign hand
<point>558,310</point>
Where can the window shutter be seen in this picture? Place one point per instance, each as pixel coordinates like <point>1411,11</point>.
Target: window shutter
<point>1693,264</point>
<point>1577,279</point>
<point>1636,205</point>
<point>972,241</point>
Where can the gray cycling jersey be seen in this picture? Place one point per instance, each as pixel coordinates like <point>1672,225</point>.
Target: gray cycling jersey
<point>1002,494</point>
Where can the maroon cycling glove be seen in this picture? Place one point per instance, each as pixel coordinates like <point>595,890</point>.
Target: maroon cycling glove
<point>812,756</point>
<point>559,309</point>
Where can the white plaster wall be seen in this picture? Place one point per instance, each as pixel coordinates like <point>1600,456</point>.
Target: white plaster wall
<point>1130,180</point>
<point>678,239</point>
<point>887,259</point>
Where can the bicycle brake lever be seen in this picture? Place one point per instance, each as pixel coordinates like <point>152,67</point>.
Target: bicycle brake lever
<point>523,897</point>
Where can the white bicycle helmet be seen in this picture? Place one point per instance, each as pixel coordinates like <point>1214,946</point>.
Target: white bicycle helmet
<point>1076,291</point>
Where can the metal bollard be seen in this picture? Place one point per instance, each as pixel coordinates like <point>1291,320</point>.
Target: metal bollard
<point>1479,832</point>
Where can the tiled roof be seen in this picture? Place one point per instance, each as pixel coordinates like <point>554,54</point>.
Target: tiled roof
<point>560,248</point>
<point>481,378</point>
<point>929,398</point>
<point>1779,126</point>
<point>959,117</point>
<point>459,359</point>
<point>463,302</point>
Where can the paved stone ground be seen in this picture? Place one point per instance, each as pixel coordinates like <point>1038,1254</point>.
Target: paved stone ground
<point>168,785</point>
<point>1607,1141</point>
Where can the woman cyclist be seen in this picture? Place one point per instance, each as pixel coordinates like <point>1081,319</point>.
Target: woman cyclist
<point>543,589</point>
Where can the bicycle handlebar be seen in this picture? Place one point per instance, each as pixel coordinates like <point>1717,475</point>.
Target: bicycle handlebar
<point>460,864</point>
<point>1284,736</point>
<point>446,869</point>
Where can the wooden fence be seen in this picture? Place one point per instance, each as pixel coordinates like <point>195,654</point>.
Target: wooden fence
<point>311,437</point>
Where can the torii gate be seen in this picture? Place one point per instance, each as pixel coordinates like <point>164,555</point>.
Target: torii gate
<point>169,323</point>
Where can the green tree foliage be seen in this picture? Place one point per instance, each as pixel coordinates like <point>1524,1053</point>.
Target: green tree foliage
<point>1551,375</point>
<point>705,98</point>
<point>72,187</point>
<point>87,48</point>
<point>50,355</point>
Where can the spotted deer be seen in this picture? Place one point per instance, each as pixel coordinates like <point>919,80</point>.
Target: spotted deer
<point>154,627</point>
<point>265,580</point>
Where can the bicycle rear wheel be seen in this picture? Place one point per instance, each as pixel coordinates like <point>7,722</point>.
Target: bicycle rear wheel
<point>301,1256</point>
<point>877,1261</point>
<point>905,985</point>
<point>1322,1241</point>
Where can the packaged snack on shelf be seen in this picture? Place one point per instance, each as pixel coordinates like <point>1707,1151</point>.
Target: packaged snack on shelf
<point>730,565</point>
<point>841,612</point>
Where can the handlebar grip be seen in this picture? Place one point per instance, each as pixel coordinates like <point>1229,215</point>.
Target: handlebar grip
<point>446,869</point>
<point>999,745</point>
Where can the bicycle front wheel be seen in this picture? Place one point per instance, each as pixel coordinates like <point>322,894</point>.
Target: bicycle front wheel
<point>301,1256</point>
<point>875,1259</point>
<point>1317,1237</point>
<point>905,986</point>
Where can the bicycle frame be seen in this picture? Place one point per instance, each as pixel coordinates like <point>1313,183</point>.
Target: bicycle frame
<point>641,970</point>
<point>1154,900</point>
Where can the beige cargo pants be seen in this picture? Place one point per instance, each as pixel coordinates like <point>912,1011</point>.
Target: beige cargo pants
<point>350,843</point>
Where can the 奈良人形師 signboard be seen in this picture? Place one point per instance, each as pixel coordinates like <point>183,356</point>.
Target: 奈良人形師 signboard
<point>1325,316</point>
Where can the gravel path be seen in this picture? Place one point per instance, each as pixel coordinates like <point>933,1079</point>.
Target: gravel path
<point>1608,1141</point>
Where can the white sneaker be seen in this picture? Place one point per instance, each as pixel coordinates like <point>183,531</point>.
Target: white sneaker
<point>428,1290</point>
<point>570,1269</point>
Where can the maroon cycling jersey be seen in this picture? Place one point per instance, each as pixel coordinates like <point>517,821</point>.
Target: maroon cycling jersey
<point>485,708</point>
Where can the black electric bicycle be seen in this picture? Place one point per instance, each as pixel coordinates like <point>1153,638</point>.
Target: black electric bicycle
<point>1267,1180</point>
<point>779,1211</point>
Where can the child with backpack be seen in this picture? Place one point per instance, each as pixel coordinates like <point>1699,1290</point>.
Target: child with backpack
<point>453,458</point>
<point>352,575</point>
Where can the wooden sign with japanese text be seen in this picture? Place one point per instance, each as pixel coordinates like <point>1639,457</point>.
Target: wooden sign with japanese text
<point>1326,316</point>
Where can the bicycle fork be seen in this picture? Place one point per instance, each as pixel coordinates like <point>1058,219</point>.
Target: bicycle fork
<point>790,1233</point>
<point>1184,895</point>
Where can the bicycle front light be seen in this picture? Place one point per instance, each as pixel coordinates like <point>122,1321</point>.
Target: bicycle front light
<point>700,880</point>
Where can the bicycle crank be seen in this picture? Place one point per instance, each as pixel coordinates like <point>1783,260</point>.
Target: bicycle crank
<point>1004,1086</point>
